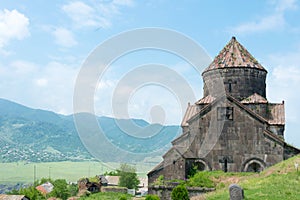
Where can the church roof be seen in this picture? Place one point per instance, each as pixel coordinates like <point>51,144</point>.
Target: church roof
<point>158,167</point>
<point>234,55</point>
<point>255,98</point>
<point>190,111</point>
<point>206,100</point>
<point>194,109</point>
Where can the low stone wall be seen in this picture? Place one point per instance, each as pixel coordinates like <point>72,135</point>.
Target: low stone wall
<point>164,192</point>
<point>114,189</point>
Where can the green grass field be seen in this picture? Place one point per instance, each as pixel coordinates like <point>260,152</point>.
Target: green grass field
<point>106,196</point>
<point>11,173</point>
<point>278,182</point>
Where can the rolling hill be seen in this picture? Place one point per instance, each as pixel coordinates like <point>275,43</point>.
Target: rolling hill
<point>35,135</point>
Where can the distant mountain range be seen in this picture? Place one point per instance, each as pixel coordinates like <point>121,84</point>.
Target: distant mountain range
<point>34,135</point>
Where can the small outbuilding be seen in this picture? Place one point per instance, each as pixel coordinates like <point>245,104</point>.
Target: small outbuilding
<point>13,197</point>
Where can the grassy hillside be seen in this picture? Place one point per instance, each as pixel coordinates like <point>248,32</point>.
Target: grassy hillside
<point>107,196</point>
<point>33,135</point>
<point>278,182</point>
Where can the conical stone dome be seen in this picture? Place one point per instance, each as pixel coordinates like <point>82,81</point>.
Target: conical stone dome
<point>235,71</point>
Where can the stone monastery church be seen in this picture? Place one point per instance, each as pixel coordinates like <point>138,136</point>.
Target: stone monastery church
<point>233,127</point>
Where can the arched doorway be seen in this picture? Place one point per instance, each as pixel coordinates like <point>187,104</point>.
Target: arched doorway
<point>200,166</point>
<point>254,165</point>
<point>195,165</point>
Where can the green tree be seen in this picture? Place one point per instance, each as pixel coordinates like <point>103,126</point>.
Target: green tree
<point>44,180</point>
<point>73,189</point>
<point>180,193</point>
<point>60,189</point>
<point>152,197</point>
<point>128,177</point>
<point>111,173</point>
<point>32,193</point>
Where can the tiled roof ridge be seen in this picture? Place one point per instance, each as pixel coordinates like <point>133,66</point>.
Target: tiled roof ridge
<point>206,100</point>
<point>254,98</point>
<point>234,55</point>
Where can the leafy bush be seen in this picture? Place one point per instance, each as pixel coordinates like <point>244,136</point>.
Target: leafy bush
<point>201,179</point>
<point>128,177</point>
<point>60,189</point>
<point>30,192</point>
<point>123,197</point>
<point>111,173</point>
<point>193,171</point>
<point>159,180</point>
<point>180,193</point>
<point>94,179</point>
<point>176,181</point>
<point>73,189</point>
<point>152,197</point>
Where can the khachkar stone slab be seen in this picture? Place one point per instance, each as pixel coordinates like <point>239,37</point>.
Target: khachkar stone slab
<point>236,192</point>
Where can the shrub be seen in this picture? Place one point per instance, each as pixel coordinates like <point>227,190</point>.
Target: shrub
<point>111,173</point>
<point>201,179</point>
<point>94,179</point>
<point>123,197</point>
<point>159,180</point>
<point>152,197</point>
<point>73,189</point>
<point>31,192</point>
<point>193,171</point>
<point>180,193</point>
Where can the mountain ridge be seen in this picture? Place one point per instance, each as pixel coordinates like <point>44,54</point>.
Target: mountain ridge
<point>36,135</point>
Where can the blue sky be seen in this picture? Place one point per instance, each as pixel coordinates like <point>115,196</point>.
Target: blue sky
<point>43,45</point>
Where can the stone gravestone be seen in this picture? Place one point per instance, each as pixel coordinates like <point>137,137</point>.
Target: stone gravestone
<point>236,192</point>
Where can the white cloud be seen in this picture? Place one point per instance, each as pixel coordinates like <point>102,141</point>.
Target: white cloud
<point>84,15</point>
<point>106,84</point>
<point>47,87</point>
<point>284,81</point>
<point>13,25</point>
<point>136,91</point>
<point>264,24</point>
<point>98,14</point>
<point>41,82</point>
<point>284,5</point>
<point>283,84</point>
<point>23,67</point>
<point>123,2</point>
<point>274,21</point>
<point>64,37</point>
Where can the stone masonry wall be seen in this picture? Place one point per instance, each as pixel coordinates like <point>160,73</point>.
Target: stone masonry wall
<point>241,140</point>
<point>164,192</point>
<point>244,82</point>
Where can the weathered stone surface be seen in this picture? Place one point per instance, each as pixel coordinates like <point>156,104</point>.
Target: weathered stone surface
<point>236,192</point>
<point>239,82</point>
<point>114,189</point>
<point>233,127</point>
<point>164,192</point>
